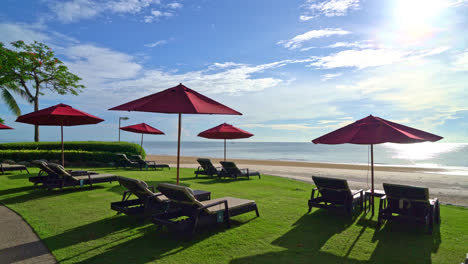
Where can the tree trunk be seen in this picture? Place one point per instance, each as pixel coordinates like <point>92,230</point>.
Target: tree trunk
<point>36,127</point>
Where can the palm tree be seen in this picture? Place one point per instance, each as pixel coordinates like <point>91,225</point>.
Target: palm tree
<point>8,98</point>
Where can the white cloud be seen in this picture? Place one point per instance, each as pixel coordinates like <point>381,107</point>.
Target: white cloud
<point>157,43</point>
<point>461,61</point>
<point>75,10</point>
<point>356,44</point>
<point>329,76</point>
<point>297,41</point>
<point>174,5</point>
<point>371,57</point>
<point>305,18</point>
<point>331,8</point>
<point>14,32</point>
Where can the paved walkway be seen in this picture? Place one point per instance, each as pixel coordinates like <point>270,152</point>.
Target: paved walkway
<point>19,243</point>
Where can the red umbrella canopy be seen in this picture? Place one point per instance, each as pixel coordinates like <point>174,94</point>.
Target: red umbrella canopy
<point>143,129</point>
<point>178,99</point>
<point>59,115</point>
<point>225,131</point>
<point>2,126</point>
<point>375,130</point>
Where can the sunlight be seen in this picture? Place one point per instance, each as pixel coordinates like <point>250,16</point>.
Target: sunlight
<point>421,151</point>
<point>416,19</point>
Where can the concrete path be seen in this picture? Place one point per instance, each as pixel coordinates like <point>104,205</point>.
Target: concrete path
<point>19,243</point>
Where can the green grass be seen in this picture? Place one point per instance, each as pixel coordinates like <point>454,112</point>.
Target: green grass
<point>78,226</point>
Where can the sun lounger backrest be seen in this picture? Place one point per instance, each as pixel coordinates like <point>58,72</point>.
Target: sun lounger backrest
<point>41,164</point>
<point>137,187</point>
<point>230,167</point>
<point>178,193</point>
<point>332,189</point>
<point>207,165</point>
<point>59,170</point>
<point>407,199</point>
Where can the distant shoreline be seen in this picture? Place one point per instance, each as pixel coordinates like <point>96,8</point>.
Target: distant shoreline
<point>450,189</point>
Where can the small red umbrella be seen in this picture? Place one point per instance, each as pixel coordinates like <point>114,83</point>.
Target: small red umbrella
<point>375,130</point>
<point>225,131</point>
<point>2,126</point>
<point>177,100</point>
<point>143,129</point>
<point>59,115</point>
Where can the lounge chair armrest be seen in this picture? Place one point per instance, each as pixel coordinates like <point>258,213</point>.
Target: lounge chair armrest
<point>214,204</point>
<point>358,191</point>
<point>312,196</point>
<point>151,188</point>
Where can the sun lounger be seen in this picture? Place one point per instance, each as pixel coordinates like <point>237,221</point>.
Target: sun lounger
<point>199,213</point>
<point>124,162</point>
<point>45,172</point>
<point>409,203</point>
<point>232,171</point>
<point>148,163</point>
<point>66,179</point>
<point>336,194</point>
<point>207,168</point>
<point>147,202</point>
<point>12,167</point>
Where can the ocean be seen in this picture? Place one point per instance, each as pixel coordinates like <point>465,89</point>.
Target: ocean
<point>453,156</point>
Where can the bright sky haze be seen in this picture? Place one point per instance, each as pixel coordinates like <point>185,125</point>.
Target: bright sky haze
<point>296,69</point>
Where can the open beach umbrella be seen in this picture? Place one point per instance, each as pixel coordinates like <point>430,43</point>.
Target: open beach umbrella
<point>374,130</point>
<point>225,131</point>
<point>177,100</point>
<point>59,115</point>
<point>143,129</point>
<point>2,126</point>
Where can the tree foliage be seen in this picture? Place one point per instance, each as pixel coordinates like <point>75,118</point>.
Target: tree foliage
<point>31,69</point>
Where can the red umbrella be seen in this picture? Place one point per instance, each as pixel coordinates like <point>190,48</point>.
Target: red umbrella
<point>225,131</point>
<point>143,129</point>
<point>59,115</point>
<point>177,100</point>
<point>2,126</point>
<point>374,130</point>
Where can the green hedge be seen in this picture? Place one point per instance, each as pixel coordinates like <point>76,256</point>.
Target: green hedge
<point>83,152</point>
<point>116,147</point>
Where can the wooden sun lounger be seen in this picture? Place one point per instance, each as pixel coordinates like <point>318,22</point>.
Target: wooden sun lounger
<point>148,163</point>
<point>231,170</point>
<point>12,167</point>
<point>207,168</point>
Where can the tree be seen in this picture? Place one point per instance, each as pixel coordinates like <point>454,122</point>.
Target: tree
<point>31,69</point>
<point>2,121</point>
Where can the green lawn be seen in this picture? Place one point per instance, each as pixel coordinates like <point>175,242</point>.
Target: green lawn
<point>78,227</point>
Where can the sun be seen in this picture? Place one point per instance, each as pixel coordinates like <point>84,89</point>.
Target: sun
<point>417,20</point>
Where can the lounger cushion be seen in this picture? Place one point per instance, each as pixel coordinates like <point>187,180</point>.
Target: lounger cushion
<point>140,188</point>
<point>177,192</point>
<point>93,177</point>
<point>232,204</point>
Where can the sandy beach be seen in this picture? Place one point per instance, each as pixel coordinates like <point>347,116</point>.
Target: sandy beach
<point>450,189</point>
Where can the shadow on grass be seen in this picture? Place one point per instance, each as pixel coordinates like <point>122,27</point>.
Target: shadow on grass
<point>16,190</point>
<point>306,242</point>
<point>150,244</point>
<point>20,176</point>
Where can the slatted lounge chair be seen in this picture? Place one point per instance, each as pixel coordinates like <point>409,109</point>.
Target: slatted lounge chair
<point>12,167</point>
<point>125,162</point>
<point>409,203</point>
<point>335,193</point>
<point>199,213</point>
<point>66,179</point>
<point>232,171</point>
<point>46,172</point>
<point>148,163</point>
<point>147,202</point>
<point>207,168</point>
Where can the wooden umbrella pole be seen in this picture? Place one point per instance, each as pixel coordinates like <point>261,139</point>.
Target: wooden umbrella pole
<point>178,147</point>
<point>141,144</point>
<point>224,149</point>
<point>63,155</point>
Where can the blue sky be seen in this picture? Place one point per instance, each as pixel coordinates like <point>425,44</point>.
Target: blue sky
<point>296,69</point>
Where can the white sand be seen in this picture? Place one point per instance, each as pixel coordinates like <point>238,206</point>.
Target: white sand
<point>450,189</point>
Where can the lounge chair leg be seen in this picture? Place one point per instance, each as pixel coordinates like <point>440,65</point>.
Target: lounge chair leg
<point>256,211</point>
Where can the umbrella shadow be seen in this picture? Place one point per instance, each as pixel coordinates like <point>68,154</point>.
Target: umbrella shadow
<point>151,244</point>
<point>306,240</point>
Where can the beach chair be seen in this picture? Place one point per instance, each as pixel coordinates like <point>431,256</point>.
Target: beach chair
<point>409,203</point>
<point>199,213</point>
<point>207,168</point>
<point>66,179</point>
<point>147,202</point>
<point>9,165</point>
<point>331,193</point>
<point>45,172</point>
<point>232,171</point>
<point>148,163</point>
<point>124,162</point>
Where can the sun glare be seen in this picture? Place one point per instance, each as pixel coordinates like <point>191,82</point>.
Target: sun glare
<point>416,20</point>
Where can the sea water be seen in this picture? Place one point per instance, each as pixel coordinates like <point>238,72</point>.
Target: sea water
<point>428,154</point>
